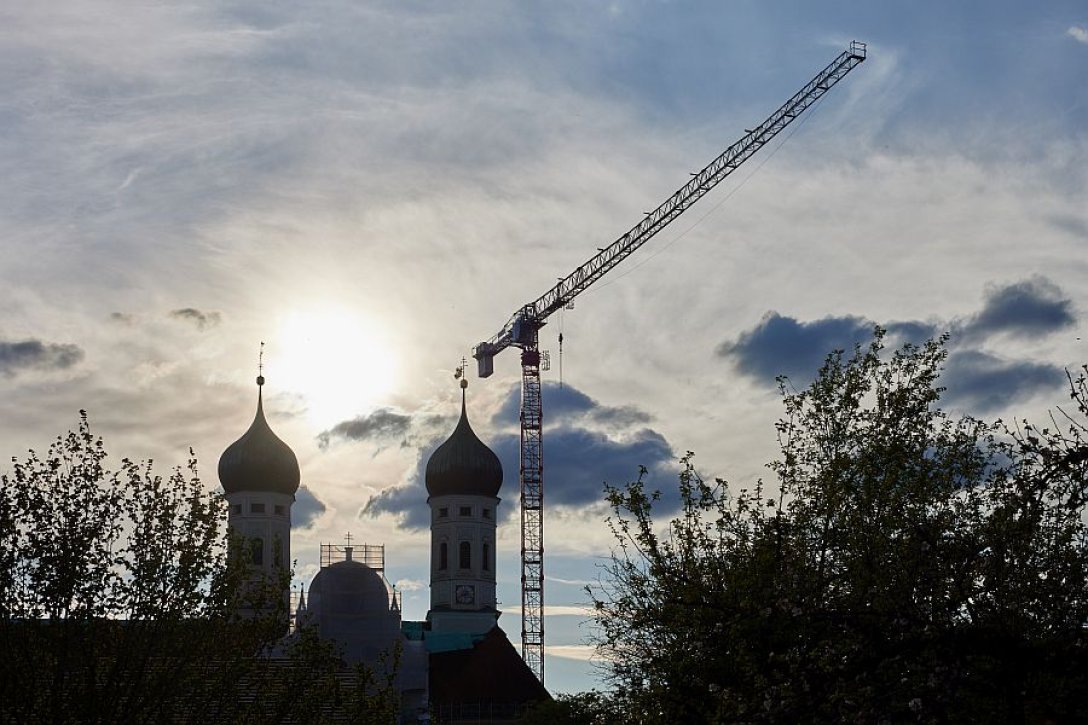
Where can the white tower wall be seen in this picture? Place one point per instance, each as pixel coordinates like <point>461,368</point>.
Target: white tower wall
<point>264,519</point>
<point>463,597</point>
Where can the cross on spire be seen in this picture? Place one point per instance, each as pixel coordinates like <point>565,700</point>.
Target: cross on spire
<point>347,538</point>
<point>460,375</point>
<point>260,365</point>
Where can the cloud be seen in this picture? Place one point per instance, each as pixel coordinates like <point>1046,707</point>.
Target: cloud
<point>408,503</point>
<point>567,403</point>
<point>562,401</point>
<point>307,508</point>
<point>122,318</point>
<point>571,582</point>
<point>202,320</point>
<point>411,585</point>
<point>587,444</point>
<point>984,383</point>
<point>383,425</point>
<point>1070,224</point>
<point>37,355</point>
<point>621,415</point>
<point>579,652</point>
<point>977,380</point>
<point>578,462</point>
<point>911,331</point>
<point>1031,308</point>
<point>781,345</point>
<point>1078,34</point>
<point>556,610</point>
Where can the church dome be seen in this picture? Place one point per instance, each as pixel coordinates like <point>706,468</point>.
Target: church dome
<point>259,461</point>
<point>348,588</point>
<point>463,465</point>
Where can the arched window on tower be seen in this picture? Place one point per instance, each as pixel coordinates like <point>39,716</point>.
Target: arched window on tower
<point>466,555</point>
<point>486,557</point>
<point>443,556</point>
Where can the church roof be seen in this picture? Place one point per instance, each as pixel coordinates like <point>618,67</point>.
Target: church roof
<point>259,461</point>
<point>463,465</point>
<point>491,671</point>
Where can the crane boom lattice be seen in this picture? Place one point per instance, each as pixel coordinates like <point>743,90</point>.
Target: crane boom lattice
<point>522,329</point>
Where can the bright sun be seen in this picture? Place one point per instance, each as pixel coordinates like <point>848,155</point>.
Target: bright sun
<point>337,361</point>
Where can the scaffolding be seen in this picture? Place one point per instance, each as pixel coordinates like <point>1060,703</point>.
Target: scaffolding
<point>372,555</point>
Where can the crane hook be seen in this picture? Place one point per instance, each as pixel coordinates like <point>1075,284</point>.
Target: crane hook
<point>560,360</point>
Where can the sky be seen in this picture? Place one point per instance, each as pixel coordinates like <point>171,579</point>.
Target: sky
<point>372,188</point>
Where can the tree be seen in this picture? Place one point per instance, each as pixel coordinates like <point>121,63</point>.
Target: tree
<point>121,601</point>
<point>905,566</point>
<point>584,708</point>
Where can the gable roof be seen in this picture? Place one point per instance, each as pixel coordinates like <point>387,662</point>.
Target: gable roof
<point>491,671</point>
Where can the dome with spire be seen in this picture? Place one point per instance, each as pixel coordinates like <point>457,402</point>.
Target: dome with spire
<point>259,461</point>
<point>463,465</point>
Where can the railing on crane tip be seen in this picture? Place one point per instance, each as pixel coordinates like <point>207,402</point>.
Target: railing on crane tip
<point>857,48</point>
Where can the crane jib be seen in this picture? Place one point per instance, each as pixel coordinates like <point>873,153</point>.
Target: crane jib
<point>522,329</point>
<point>564,292</point>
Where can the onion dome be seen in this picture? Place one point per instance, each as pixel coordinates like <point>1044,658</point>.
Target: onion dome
<point>259,461</point>
<point>463,465</point>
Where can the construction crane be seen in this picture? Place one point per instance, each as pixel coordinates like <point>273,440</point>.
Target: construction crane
<point>522,329</point>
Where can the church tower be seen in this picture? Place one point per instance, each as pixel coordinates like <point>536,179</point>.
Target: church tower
<point>463,478</point>
<point>260,476</point>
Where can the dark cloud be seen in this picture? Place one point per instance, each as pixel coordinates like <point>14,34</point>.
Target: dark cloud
<point>1031,308</point>
<point>785,346</point>
<point>983,383</point>
<point>1073,225</point>
<point>577,464</point>
<point>578,460</point>
<point>384,425</point>
<point>911,331</point>
<point>408,503</point>
<point>202,320</point>
<point>564,403</point>
<point>974,379</point>
<point>306,509</point>
<point>37,355</point>
<point>623,415</point>
<point>122,318</point>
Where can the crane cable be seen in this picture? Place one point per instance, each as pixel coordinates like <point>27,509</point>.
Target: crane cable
<point>560,349</point>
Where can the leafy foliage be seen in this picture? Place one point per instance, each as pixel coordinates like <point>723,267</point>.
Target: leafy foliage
<point>584,708</point>
<point>120,601</point>
<point>907,566</point>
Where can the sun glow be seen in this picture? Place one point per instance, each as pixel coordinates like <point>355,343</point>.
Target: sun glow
<point>337,361</point>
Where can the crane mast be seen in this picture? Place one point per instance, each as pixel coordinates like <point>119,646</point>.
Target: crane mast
<point>523,327</point>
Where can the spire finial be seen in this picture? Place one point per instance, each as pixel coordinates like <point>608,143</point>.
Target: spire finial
<point>260,365</point>
<point>460,375</point>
